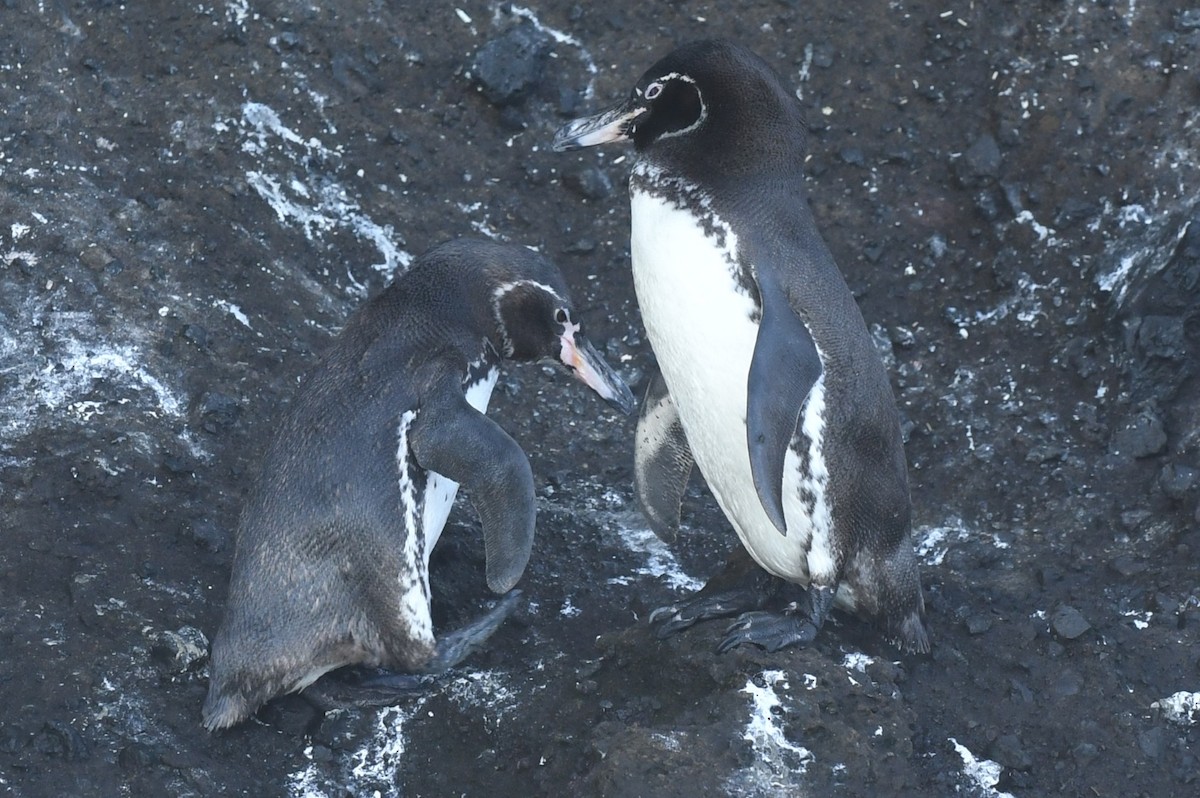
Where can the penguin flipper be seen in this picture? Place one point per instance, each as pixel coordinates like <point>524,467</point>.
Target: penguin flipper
<point>783,369</point>
<point>662,461</point>
<point>457,441</point>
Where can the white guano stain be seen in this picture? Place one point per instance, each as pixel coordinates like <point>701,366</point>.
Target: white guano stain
<point>369,770</point>
<point>233,310</point>
<point>981,774</point>
<point>316,202</point>
<point>778,765</point>
<point>1181,708</point>
<point>660,562</point>
<point>56,357</point>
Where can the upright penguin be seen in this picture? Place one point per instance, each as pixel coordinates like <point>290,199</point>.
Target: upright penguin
<point>333,546</point>
<point>769,382</point>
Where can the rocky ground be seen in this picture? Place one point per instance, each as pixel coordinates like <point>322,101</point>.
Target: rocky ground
<point>195,196</point>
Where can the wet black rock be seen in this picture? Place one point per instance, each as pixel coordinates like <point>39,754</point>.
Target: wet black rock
<point>1085,752</point>
<point>507,68</point>
<point>978,623</point>
<point>118,506</point>
<point>218,411</point>
<point>1068,622</point>
<point>1142,435</point>
<point>1074,210</point>
<point>1188,20</point>
<point>582,246</point>
<point>61,739</point>
<point>1178,481</point>
<point>1008,751</point>
<point>180,651</point>
<point>1126,565</point>
<point>195,334</point>
<point>852,156</point>
<point>1162,336</point>
<point>135,757</point>
<point>207,535</point>
<point>590,183</point>
<point>1066,683</point>
<point>980,164</point>
<point>1153,742</point>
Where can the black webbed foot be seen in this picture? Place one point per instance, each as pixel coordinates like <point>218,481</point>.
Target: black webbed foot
<point>776,630</point>
<point>771,630</point>
<point>359,687</point>
<point>677,617</point>
<point>741,586</point>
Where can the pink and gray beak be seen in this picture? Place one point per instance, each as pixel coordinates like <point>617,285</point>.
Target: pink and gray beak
<point>615,124</point>
<point>592,370</point>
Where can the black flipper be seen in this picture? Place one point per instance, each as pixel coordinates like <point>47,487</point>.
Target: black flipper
<point>662,461</point>
<point>783,370</point>
<point>457,441</point>
<point>456,646</point>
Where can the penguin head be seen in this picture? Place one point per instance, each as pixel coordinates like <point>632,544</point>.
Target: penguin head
<point>536,321</point>
<point>712,100</point>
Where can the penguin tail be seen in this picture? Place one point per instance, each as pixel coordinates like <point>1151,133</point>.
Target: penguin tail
<point>223,709</point>
<point>912,634</point>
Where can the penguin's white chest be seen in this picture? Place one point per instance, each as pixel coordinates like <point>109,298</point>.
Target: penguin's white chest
<point>702,326</point>
<point>441,491</point>
<point>430,510</point>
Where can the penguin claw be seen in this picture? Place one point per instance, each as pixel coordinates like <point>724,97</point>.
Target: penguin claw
<point>682,616</point>
<point>769,630</point>
<point>677,623</point>
<point>663,612</point>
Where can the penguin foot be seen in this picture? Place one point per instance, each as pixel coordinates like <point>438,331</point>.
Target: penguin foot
<point>776,630</point>
<point>740,586</point>
<point>677,617</point>
<point>358,687</point>
<point>771,630</point>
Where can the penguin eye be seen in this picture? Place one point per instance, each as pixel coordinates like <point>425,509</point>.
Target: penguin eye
<point>561,316</point>
<point>653,90</point>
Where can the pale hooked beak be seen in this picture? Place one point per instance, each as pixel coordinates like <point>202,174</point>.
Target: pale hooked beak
<point>578,355</point>
<point>615,124</point>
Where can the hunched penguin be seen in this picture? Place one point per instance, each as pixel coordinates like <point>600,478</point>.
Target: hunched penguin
<point>333,544</point>
<point>769,380</point>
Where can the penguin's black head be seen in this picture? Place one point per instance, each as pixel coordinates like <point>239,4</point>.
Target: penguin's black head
<point>535,321</point>
<point>711,99</point>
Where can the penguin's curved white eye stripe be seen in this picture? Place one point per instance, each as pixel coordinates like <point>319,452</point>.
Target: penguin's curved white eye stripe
<point>504,288</point>
<point>675,76</point>
<point>699,119</point>
<point>498,295</point>
<point>655,88</point>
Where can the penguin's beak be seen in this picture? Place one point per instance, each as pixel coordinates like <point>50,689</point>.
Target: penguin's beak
<point>615,124</point>
<point>582,360</point>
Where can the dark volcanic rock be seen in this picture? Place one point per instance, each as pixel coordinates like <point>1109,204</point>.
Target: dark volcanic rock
<point>509,66</point>
<point>591,183</point>
<point>1141,436</point>
<point>980,164</point>
<point>1069,623</point>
